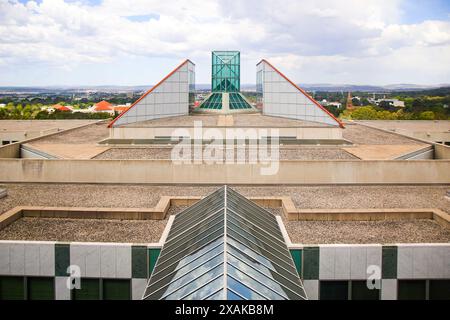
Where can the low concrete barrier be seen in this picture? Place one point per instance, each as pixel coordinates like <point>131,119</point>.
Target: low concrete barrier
<point>167,172</point>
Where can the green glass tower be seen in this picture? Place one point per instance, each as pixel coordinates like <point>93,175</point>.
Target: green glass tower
<point>225,94</point>
<point>226,70</point>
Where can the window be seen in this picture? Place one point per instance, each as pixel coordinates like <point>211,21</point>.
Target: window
<point>90,290</point>
<point>360,291</point>
<point>11,288</point>
<point>114,289</point>
<point>411,289</point>
<point>333,290</point>
<point>40,288</point>
<point>4,142</point>
<point>439,290</point>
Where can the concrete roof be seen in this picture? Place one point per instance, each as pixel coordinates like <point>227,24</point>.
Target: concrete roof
<point>147,196</point>
<point>410,125</point>
<point>241,120</point>
<point>368,143</point>
<point>40,125</point>
<point>306,232</point>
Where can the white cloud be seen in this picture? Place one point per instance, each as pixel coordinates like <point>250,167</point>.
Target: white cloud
<point>324,41</point>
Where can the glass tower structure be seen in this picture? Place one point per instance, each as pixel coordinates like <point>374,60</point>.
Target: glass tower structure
<point>226,71</point>
<point>226,84</point>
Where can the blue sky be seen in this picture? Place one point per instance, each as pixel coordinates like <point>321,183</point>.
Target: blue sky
<point>137,42</point>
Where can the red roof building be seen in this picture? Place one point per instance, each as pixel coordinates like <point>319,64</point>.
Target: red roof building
<point>61,108</point>
<point>103,106</point>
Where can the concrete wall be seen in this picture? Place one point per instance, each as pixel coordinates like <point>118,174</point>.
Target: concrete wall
<point>165,171</point>
<point>299,133</point>
<point>342,262</point>
<point>95,260</point>
<point>441,151</point>
<point>10,151</point>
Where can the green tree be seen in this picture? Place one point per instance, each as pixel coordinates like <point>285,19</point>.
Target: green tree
<point>427,115</point>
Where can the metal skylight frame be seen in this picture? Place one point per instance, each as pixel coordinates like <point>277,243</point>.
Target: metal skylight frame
<point>225,247</point>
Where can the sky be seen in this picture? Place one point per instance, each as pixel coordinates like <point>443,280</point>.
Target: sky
<point>138,42</point>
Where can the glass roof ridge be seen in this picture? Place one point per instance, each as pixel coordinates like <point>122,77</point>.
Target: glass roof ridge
<point>201,261</point>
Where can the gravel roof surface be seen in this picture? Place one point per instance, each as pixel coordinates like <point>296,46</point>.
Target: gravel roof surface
<point>402,231</point>
<point>89,134</point>
<point>135,196</point>
<point>86,230</point>
<point>359,134</point>
<point>299,153</point>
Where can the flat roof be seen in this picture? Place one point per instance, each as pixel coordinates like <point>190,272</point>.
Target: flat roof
<point>368,143</point>
<point>359,232</point>
<point>213,120</point>
<point>410,125</point>
<point>291,153</point>
<point>147,196</point>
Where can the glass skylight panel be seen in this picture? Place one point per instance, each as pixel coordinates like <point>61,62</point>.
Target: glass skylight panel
<point>225,246</point>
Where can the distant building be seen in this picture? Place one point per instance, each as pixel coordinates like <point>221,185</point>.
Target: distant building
<point>61,108</point>
<point>103,106</point>
<point>394,102</point>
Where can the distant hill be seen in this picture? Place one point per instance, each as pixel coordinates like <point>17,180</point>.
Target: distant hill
<point>202,86</point>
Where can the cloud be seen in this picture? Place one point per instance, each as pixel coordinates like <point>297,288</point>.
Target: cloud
<point>315,41</point>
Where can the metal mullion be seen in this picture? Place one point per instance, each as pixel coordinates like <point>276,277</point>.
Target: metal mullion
<point>183,220</point>
<point>267,252</point>
<point>193,226</point>
<point>195,221</point>
<point>274,280</point>
<point>169,250</point>
<point>250,288</point>
<point>206,298</point>
<point>187,283</point>
<point>183,251</point>
<point>264,266</point>
<point>209,282</point>
<point>158,266</point>
<point>185,265</point>
<point>236,293</point>
<point>262,233</point>
<point>270,260</point>
<point>254,289</point>
<point>183,275</point>
<point>259,229</point>
<point>265,216</point>
<point>210,220</point>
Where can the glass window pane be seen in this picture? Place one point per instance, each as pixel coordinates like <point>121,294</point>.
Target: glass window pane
<point>187,276</point>
<point>206,290</point>
<point>360,291</point>
<point>40,288</point>
<point>12,288</point>
<point>180,271</point>
<point>116,289</point>
<point>232,296</point>
<point>411,289</point>
<point>90,290</point>
<point>439,290</point>
<point>253,284</point>
<point>243,290</point>
<point>200,281</point>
